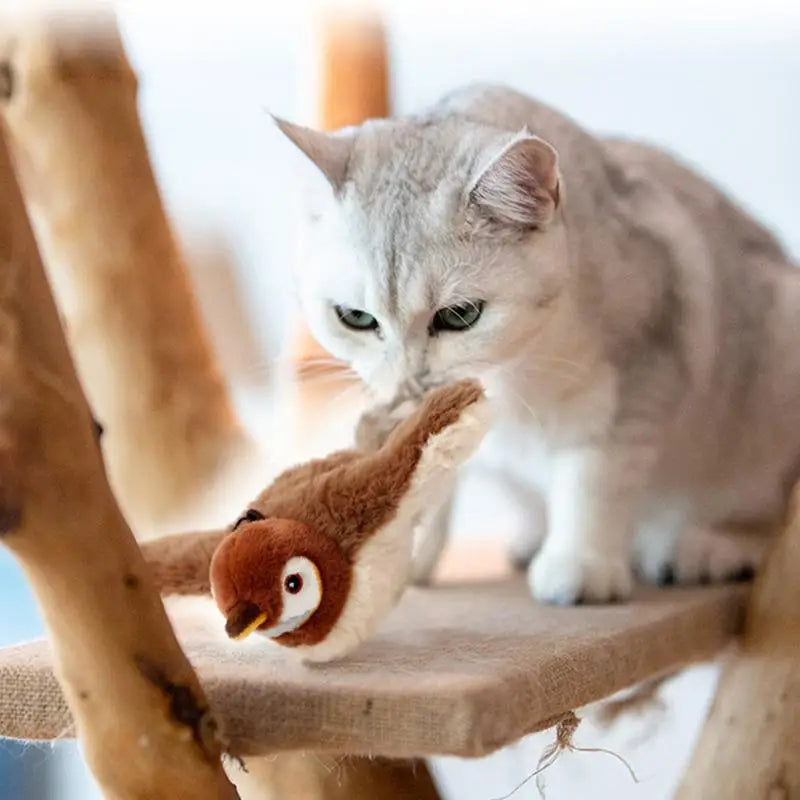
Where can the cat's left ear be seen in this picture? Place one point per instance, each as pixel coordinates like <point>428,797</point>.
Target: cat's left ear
<point>520,185</point>
<point>329,151</point>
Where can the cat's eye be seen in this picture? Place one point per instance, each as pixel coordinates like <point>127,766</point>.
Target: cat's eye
<point>459,317</point>
<point>356,319</point>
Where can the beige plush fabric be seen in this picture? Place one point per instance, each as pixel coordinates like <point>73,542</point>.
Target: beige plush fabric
<point>456,669</point>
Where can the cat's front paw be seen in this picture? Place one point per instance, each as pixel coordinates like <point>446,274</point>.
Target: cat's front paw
<point>523,548</point>
<point>567,577</point>
<point>697,556</point>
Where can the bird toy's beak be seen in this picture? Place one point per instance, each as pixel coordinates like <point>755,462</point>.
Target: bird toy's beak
<point>243,620</point>
<point>254,625</point>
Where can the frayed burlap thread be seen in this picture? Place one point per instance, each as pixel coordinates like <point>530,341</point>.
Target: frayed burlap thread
<point>565,730</point>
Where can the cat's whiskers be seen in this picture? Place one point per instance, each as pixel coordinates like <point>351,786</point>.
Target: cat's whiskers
<point>309,369</point>
<point>330,364</point>
<point>533,367</point>
<point>329,378</point>
<point>341,395</point>
<point>556,371</point>
<point>524,403</point>
<point>558,360</point>
<point>508,386</point>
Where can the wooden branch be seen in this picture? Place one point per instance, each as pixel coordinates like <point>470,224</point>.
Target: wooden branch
<point>750,744</point>
<point>317,776</point>
<point>355,69</point>
<point>132,320</point>
<point>139,709</point>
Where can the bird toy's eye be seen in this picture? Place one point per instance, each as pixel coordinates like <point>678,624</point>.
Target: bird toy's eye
<point>293,583</point>
<point>302,590</point>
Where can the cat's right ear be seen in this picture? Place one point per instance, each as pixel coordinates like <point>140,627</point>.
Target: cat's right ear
<point>330,152</point>
<point>520,185</point>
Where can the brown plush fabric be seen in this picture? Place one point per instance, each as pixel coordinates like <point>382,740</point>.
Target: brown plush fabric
<point>323,510</point>
<point>348,496</point>
<point>246,576</point>
<point>179,564</point>
<point>460,669</point>
<point>295,477</point>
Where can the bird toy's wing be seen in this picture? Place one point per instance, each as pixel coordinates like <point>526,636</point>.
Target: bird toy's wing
<point>300,475</point>
<point>438,438</point>
<point>460,406</point>
<point>179,564</point>
<point>351,503</point>
<point>377,423</point>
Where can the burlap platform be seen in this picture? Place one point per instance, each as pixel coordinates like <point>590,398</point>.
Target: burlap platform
<point>457,669</point>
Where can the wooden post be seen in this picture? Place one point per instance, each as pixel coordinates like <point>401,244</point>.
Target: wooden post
<point>132,320</point>
<point>312,776</point>
<point>139,710</point>
<point>749,748</point>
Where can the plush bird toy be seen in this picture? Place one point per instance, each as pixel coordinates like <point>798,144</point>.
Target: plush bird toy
<point>323,554</point>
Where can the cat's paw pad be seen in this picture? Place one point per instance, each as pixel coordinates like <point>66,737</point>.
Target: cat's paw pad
<point>700,556</point>
<point>567,578</point>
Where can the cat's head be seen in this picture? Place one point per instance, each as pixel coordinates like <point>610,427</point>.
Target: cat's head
<point>436,252</point>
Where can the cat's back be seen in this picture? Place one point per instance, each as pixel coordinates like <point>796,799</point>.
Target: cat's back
<point>633,163</point>
<point>501,107</point>
<point>510,110</point>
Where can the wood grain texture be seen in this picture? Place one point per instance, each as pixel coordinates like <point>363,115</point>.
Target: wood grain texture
<point>139,710</point>
<point>311,776</point>
<point>141,348</point>
<point>749,748</point>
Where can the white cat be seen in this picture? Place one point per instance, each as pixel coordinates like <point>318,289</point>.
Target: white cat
<point>638,333</point>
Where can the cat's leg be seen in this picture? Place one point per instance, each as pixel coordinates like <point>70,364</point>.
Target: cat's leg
<point>430,537</point>
<point>691,554</point>
<point>587,553</point>
<point>529,538</point>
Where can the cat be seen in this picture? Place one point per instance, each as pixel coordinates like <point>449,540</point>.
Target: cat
<point>638,333</point>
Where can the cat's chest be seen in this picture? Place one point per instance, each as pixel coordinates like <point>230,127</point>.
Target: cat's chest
<point>528,431</point>
<point>520,451</point>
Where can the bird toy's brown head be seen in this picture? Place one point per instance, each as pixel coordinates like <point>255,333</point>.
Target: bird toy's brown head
<point>281,578</point>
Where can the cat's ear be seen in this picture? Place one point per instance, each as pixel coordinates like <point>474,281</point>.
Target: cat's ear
<point>330,152</point>
<point>520,184</point>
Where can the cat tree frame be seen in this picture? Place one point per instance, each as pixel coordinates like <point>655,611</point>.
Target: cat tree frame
<point>153,722</point>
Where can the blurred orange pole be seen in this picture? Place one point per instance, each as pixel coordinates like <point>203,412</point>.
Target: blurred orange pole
<point>355,70</point>
<point>354,86</point>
